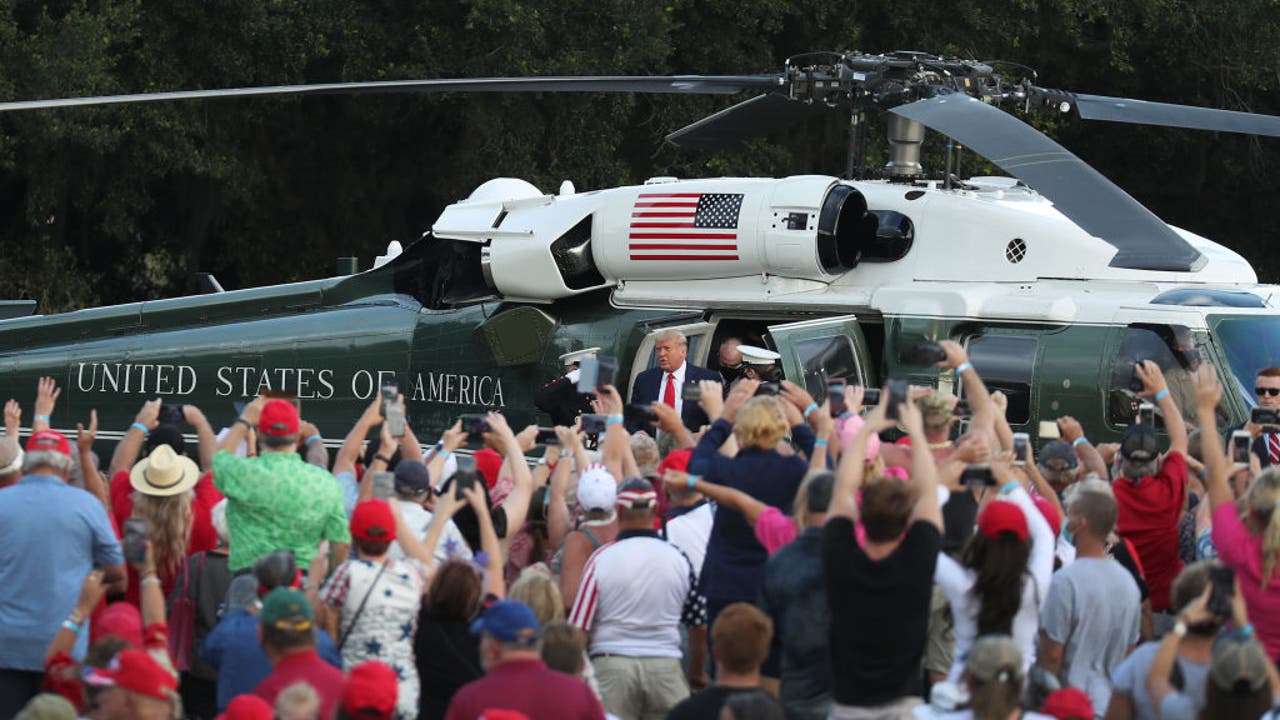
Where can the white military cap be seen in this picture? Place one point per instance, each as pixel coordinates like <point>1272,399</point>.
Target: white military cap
<point>578,356</point>
<point>758,356</point>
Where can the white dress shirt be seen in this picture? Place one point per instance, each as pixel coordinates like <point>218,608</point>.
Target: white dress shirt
<point>679,384</point>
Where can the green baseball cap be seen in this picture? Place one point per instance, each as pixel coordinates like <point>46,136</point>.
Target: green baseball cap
<point>286,609</point>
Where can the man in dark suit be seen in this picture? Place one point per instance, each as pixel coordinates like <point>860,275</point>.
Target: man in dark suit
<point>1267,444</point>
<point>663,383</point>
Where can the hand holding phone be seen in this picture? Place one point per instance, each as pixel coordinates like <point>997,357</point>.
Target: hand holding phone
<point>172,414</point>
<point>393,409</point>
<point>1021,444</point>
<point>1241,444</point>
<point>384,484</point>
<point>135,541</point>
<point>897,395</point>
<point>835,396</point>
<point>1223,581</point>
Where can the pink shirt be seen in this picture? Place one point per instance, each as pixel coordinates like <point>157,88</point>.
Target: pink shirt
<point>1241,550</point>
<point>773,529</point>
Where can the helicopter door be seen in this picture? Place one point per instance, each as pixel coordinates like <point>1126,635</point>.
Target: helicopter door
<point>698,334</point>
<point>815,351</point>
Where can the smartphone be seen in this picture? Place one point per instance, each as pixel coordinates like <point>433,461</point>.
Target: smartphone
<point>1267,417</point>
<point>392,410</point>
<point>1135,380</point>
<point>897,396</point>
<point>1049,430</point>
<point>546,436</point>
<point>962,427</point>
<point>926,353</point>
<point>135,541</point>
<point>977,475</point>
<point>465,477</point>
<point>961,409</point>
<point>475,426</point>
<point>639,414</point>
<point>691,392</point>
<point>1223,581</point>
<point>1241,443</point>
<point>1021,443</point>
<point>596,372</point>
<point>384,484</point>
<point>593,424</point>
<point>171,414</point>
<point>870,397</point>
<point>835,395</point>
<point>1146,414</point>
<point>768,389</point>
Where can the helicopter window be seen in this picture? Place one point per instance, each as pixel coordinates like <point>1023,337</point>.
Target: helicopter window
<point>572,252</point>
<point>894,235</point>
<point>1007,363</point>
<point>826,358</point>
<point>1174,348</point>
<point>1250,344</point>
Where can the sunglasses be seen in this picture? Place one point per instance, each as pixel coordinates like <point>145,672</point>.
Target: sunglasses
<point>1267,391</point>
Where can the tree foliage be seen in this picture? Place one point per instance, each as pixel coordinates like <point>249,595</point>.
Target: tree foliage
<point>105,205</point>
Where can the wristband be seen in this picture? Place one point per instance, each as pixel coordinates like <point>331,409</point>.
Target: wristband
<point>1079,440</point>
<point>612,420</point>
<point>242,421</point>
<point>1180,629</point>
<point>383,458</point>
<point>693,479</point>
<point>39,418</point>
<point>1247,630</point>
<point>150,580</point>
<point>143,428</point>
<point>966,365</point>
<point>444,453</point>
<point>1203,474</point>
<point>313,438</point>
<point>1009,487</point>
<point>820,442</point>
<point>71,625</point>
<point>1161,395</point>
<point>812,406</point>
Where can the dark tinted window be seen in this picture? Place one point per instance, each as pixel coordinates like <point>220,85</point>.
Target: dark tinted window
<point>1007,363</point>
<point>1174,348</point>
<point>825,359</point>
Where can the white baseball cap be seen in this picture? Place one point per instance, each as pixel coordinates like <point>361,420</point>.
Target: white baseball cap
<point>597,489</point>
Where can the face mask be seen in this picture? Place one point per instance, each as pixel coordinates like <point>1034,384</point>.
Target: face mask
<point>1068,535</point>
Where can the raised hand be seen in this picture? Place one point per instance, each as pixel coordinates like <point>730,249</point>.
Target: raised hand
<point>149,415</point>
<point>12,418</point>
<point>1152,379</point>
<point>47,392</point>
<point>85,438</point>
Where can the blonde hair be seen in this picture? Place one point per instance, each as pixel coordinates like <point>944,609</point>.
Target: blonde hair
<point>299,701</point>
<point>760,424</point>
<point>535,588</point>
<point>1263,498</point>
<point>169,521</point>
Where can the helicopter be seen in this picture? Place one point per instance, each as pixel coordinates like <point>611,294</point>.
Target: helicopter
<point>1056,280</point>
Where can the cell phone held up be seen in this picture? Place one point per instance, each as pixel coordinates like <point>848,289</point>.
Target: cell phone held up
<point>465,477</point>
<point>172,415</point>
<point>593,424</point>
<point>393,409</point>
<point>1146,415</point>
<point>384,484</point>
<point>1223,581</point>
<point>1266,417</point>
<point>897,395</point>
<point>1241,443</point>
<point>835,396</point>
<point>475,426</point>
<point>977,476</point>
<point>1021,443</point>
<point>691,392</point>
<point>926,353</point>
<point>135,541</point>
<point>639,414</point>
<point>546,436</point>
<point>596,371</point>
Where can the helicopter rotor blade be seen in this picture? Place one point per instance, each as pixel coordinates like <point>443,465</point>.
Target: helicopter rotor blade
<point>1082,194</point>
<point>1143,112</point>
<point>677,84</point>
<point>757,117</point>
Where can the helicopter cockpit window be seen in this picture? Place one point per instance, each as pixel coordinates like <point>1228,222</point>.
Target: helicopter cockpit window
<point>823,359</point>
<point>1007,363</point>
<point>894,235</point>
<point>1174,348</point>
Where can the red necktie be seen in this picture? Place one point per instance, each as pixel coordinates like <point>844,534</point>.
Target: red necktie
<point>669,395</point>
<point>1273,448</point>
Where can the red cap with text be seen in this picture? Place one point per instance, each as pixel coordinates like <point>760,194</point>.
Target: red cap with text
<point>48,441</point>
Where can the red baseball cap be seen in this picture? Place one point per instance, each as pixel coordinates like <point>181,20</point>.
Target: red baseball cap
<point>136,671</point>
<point>120,619</point>
<point>248,707</point>
<point>373,521</point>
<point>1068,704</point>
<point>489,463</point>
<point>279,417</point>
<point>675,460</point>
<point>1002,516</point>
<point>49,441</point>
<point>371,691</point>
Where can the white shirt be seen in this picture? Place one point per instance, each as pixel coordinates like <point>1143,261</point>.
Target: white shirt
<point>679,385</point>
<point>957,581</point>
<point>691,531</point>
<point>452,545</point>
<point>630,613</point>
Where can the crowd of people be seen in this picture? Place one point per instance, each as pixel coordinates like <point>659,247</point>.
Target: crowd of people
<point>757,557</point>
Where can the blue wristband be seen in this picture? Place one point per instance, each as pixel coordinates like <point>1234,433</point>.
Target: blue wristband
<point>44,418</point>
<point>1077,441</point>
<point>314,438</point>
<point>812,406</point>
<point>143,428</point>
<point>966,365</point>
<point>444,453</point>
<point>1161,395</point>
<point>612,420</point>
<point>693,479</point>
<point>73,627</point>
<point>820,443</point>
<point>1009,487</point>
<point>1247,630</point>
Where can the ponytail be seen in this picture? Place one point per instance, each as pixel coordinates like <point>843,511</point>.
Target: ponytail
<point>996,698</point>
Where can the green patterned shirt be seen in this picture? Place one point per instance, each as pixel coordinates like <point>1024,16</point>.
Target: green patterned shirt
<point>278,502</point>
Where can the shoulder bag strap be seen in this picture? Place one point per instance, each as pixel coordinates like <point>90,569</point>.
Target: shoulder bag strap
<point>356,618</point>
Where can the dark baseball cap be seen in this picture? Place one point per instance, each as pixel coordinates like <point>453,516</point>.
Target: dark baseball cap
<point>166,434</point>
<point>412,478</point>
<point>509,621</point>
<point>1058,455</point>
<point>1140,444</point>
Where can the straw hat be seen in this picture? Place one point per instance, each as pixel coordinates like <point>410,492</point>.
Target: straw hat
<point>163,473</point>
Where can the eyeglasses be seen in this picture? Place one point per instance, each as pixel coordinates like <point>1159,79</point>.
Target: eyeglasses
<point>1267,391</point>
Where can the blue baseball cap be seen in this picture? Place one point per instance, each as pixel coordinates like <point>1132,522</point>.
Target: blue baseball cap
<point>509,621</point>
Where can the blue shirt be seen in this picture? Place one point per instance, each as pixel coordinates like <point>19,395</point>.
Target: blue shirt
<point>794,595</point>
<point>734,565</point>
<point>233,649</point>
<point>51,536</point>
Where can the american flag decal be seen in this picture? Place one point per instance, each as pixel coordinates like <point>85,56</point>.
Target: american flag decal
<point>685,226</point>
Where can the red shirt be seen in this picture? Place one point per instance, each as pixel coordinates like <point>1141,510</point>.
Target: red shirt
<point>203,536</point>
<point>306,666</point>
<point>1149,511</point>
<point>526,686</point>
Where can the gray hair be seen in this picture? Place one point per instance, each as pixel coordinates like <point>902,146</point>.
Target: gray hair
<point>297,702</point>
<point>1096,503</point>
<point>218,516</point>
<point>46,458</point>
<point>670,334</point>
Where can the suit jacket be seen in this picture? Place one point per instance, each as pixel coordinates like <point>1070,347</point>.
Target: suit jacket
<point>648,389</point>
